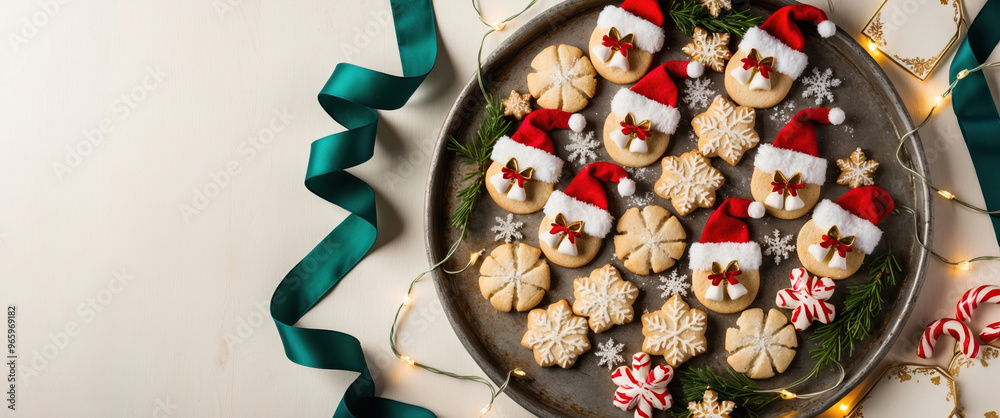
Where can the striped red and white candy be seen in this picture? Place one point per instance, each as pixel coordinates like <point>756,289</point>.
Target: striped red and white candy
<point>991,333</point>
<point>973,297</point>
<point>807,296</point>
<point>953,327</point>
<point>641,387</point>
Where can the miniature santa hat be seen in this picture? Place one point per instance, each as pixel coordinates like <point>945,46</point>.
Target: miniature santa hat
<point>642,18</point>
<point>585,199</point>
<point>531,145</point>
<point>654,97</point>
<point>727,238</point>
<point>856,213</point>
<point>795,150</point>
<point>780,38</point>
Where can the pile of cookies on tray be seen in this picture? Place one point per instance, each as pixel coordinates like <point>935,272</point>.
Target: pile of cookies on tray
<point>788,173</point>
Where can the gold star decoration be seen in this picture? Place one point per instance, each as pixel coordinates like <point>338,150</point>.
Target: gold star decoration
<point>716,6</point>
<point>710,407</point>
<point>857,170</point>
<point>517,105</point>
<point>712,50</point>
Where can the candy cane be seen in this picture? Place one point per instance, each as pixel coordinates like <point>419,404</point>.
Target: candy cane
<point>642,388</point>
<point>973,297</point>
<point>956,329</point>
<point>991,333</point>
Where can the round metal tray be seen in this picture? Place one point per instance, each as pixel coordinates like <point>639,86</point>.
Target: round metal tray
<point>875,114</point>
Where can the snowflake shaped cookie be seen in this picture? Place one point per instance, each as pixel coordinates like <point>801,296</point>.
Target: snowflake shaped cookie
<point>604,298</point>
<point>643,387</point>
<point>857,170</point>
<point>581,147</point>
<point>563,79</point>
<point>676,331</point>
<point>778,246</point>
<point>517,105</point>
<point>710,407</point>
<point>650,240</point>
<point>808,298</point>
<point>726,130</point>
<point>710,49</point>
<point>609,353</point>
<point>698,92</point>
<point>507,229</point>
<point>514,276</point>
<point>556,336</point>
<point>820,85</point>
<point>716,6</point>
<point>760,347</point>
<point>689,181</point>
<point>674,285</point>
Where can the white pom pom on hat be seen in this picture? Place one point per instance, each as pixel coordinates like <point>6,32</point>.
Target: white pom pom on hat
<point>577,122</point>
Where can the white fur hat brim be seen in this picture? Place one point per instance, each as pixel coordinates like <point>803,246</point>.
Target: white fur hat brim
<point>648,37</point>
<point>596,221</point>
<point>866,234</point>
<point>547,166</point>
<point>701,255</point>
<point>770,159</point>
<point>662,118</point>
<point>786,60</point>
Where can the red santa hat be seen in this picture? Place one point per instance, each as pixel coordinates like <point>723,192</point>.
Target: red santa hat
<point>856,213</point>
<point>585,199</point>
<point>642,18</point>
<point>531,145</point>
<point>795,150</point>
<point>727,238</point>
<point>654,97</point>
<point>780,38</point>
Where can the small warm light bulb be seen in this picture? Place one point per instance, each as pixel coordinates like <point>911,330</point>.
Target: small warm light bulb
<point>475,257</point>
<point>843,407</point>
<point>946,194</point>
<point>872,47</point>
<point>962,74</point>
<point>519,373</point>
<point>498,26</point>
<point>938,100</point>
<point>486,409</point>
<point>964,265</point>
<point>407,360</point>
<point>787,395</point>
<point>406,299</point>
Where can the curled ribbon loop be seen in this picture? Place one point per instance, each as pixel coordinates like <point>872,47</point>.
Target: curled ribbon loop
<point>618,43</point>
<point>562,236</point>
<point>784,192</point>
<point>350,97</point>
<point>730,275</point>
<point>511,172</point>
<point>833,243</point>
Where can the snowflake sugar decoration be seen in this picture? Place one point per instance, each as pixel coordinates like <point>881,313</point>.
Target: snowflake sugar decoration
<point>710,407</point>
<point>778,246</point>
<point>581,147</point>
<point>507,229</point>
<point>698,92</point>
<point>604,298</point>
<point>674,284</point>
<point>676,331</point>
<point>689,181</point>
<point>609,353</point>
<point>783,114</point>
<point>820,85</point>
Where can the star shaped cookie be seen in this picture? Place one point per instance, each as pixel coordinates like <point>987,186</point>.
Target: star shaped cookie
<point>710,49</point>
<point>517,105</point>
<point>857,170</point>
<point>689,181</point>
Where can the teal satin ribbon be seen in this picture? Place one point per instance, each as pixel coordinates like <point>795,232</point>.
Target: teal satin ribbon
<point>973,104</point>
<point>350,97</point>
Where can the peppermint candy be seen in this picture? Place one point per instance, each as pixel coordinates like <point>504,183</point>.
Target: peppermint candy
<point>807,296</point>
<point>642,388</point>
<point>991,333</point>
<point>956,329</point>
<point>973,297</point>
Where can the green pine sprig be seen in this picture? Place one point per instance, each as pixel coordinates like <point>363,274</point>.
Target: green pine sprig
<point>687,14</point>
<point>476,152</point>
<point>738,388</point>
<point>864,302</point>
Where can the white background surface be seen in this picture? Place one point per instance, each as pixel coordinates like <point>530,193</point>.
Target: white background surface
<point>188,333</point>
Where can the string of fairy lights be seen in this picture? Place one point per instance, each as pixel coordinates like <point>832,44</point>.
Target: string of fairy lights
<point>784,392</point>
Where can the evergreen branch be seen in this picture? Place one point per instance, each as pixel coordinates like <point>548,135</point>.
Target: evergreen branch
<point>687,14</point>
<point>476,152</point>
<point>864,303</point>
<point>739,389</point>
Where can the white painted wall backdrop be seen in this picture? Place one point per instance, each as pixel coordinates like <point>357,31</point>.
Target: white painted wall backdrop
<point>129,307</point>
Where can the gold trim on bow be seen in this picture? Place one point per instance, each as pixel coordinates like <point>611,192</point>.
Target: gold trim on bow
<point>834,233</point>
<point>732,266</point>
<point>779,177</point>
<point>767,61</point>
<point>574,227</point>
<point>526,173</point>
<point>645,125</point>
<point>613,34</point>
